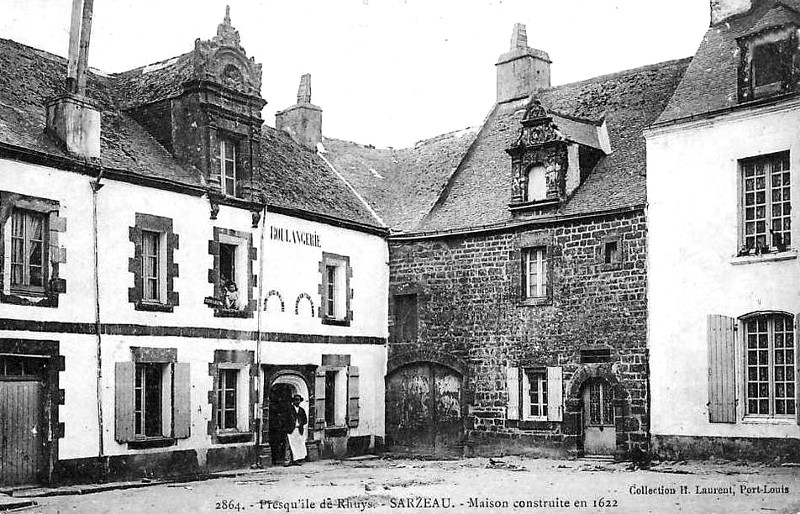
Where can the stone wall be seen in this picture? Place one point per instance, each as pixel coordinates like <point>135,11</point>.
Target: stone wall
<point>470,306</point>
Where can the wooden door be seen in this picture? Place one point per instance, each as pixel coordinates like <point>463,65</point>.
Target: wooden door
<point>423,410</point>
<point>21,432</point>
<point>599,432</point>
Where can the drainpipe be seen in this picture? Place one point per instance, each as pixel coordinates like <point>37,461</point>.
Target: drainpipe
<point>96,186</point>
<point>259,407</point>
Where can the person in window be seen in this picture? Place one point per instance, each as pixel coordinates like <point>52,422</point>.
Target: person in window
<point>296,439</point>
<point>231,299</point>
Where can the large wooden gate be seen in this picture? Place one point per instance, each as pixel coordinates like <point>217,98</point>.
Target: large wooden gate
<point>21,432</point>
<point>423,410</point>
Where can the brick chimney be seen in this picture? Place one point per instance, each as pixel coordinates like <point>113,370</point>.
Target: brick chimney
<point>721,10</point>
<point>72,117</point>
<point>303,121</point>
<point>522,70</point>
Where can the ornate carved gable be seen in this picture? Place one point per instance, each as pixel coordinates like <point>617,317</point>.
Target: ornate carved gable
<point>223,60</point>
<point>537,129</point>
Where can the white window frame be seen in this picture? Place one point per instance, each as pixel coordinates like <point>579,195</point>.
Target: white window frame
<point>535,265</point>
<point>166,400</point>
<point>241,266</point>
<point>540,375</point>
<point>340,397</point>
<point>749,204</point>
<point>788,344</point>
<point>227,154</point>
<point>25,286</point>
<point>161,267</point>
<point>536,189</point>
<point>242,393</point>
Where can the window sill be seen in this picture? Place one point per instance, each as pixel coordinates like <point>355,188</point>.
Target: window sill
<point>613,266</point>
<point>536,204</point>
<point>532,302</point>
<point>29,299</point>
<point>336,431</point>
<point>225,437</point>
<point>752,420</point>
<point>232,313</point>
<point>151,442</point>
<point>764,257</point>
<point>153,307</point>
<point>539,424</point>
<point>336,322</point>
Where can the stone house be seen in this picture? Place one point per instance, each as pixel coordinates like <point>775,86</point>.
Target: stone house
<point>723,264</point>
<point>129,203</point>
<point>518,290</point>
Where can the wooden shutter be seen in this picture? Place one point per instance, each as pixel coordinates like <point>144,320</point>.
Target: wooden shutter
<point>123,401</point>
<point>555,395</point>
<point>319,399</point>
<point>352,396</point>
<point>512,382</point>
<point>181,401</point>
<point>721,369</point>
<point>796,362</point>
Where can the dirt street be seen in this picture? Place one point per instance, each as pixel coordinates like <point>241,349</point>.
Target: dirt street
<point>472,485</point>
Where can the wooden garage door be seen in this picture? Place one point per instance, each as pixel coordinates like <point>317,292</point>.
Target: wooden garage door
<point>21,434</point>
<point>423,410</point>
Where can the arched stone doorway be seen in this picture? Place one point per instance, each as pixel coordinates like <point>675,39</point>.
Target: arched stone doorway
<point>598,418</point>
<point>279,395</point>
<point>425,404</point>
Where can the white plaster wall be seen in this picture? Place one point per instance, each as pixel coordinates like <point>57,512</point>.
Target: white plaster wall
<point>74,195</point>
<point>693,238</point>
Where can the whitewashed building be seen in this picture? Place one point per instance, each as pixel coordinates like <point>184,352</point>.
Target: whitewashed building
<point>723,271</point>
<point>126,207</point>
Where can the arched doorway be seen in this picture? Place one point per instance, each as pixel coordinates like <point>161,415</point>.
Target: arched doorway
<point>279,398</point>
<point>424,409</point>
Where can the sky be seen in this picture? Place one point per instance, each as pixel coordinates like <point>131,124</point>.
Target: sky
<point>385,72</point>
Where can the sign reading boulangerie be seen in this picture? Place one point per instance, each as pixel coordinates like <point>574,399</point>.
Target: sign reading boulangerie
<point>294,236</point>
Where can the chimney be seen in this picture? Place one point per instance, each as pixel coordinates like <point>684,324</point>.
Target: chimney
<point>721,10</point>
<point>522,70</point>
<point>72,117</point>
<point>303,121</point>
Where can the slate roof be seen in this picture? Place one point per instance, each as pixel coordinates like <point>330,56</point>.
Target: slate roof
<point>291,176</point>
<point>711,82</point>
<point>463,180</point>
<point>400,184</point>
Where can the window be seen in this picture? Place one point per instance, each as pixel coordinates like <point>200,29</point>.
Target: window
<point>610,252</point>
<point>227,157</point>
<point>226,399</point>
<point>232,275</point>
<point>148,401</point>
<point>766,201</point>
<point>534,265</point>
<point>336,394</point>
<point>534,394</point>
<point>767,62</point>
<point>152,398</point>
<point>537,184</point>
<point>152,264</point>
<point>600,409</point>
<point>770,363</point>
<point>28,243</point>
<point>335,290</point>
<point>405,317</point>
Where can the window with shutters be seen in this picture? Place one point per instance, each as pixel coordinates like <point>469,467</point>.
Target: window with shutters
<point>152,265</point>
<point>766,204</point>
<point>231,374</point>
<point>770,366</point>
<point>152,398</point>
<point>336,399</point>
<point>534,394</point>
<point>29,253</point>
<point>405,317</point>
<point>334,289</point>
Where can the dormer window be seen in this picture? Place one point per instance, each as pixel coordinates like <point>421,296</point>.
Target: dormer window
<point>767,65</point>
<point>227,157</point>
<point>537,183</point>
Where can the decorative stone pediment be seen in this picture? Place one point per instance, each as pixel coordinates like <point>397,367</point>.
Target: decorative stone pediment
<point>223,60</point>
<point>538,128</point>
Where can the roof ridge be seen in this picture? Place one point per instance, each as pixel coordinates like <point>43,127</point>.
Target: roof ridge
<point>630,71</point>
<point>42,53</point>
<point>162,61</point>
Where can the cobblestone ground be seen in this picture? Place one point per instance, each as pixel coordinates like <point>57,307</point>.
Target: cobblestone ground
<point>469,486</point>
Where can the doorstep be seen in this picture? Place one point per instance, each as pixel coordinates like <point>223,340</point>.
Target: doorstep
<point>10,503</point>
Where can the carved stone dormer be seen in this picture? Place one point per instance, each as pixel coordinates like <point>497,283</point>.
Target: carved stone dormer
<point>538,159</point>
<point>216,119</point>
<point>551,156</point>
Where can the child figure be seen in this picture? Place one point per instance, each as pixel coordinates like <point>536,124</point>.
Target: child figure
<point>231,298</point>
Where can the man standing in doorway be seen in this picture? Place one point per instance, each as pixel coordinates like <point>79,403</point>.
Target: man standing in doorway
<point>296,437</point>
